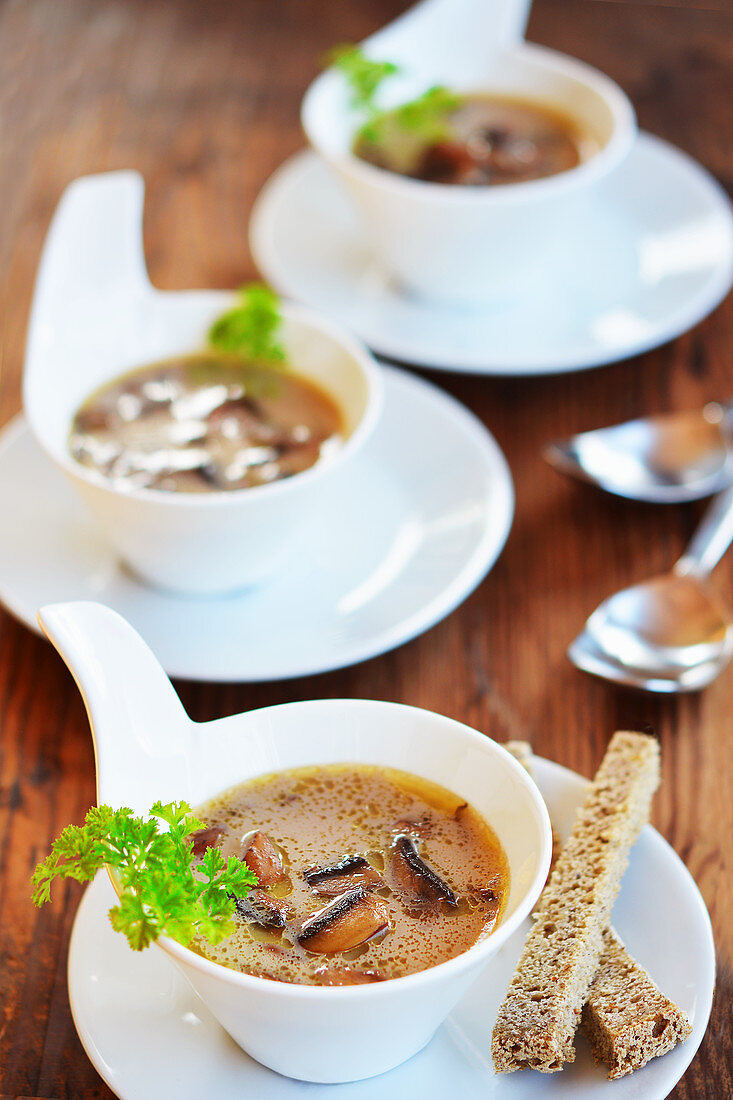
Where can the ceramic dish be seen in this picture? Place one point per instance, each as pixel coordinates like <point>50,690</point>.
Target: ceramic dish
<point>401,549</point>
<point>125,1005</point>
<point>147,748</point>
<point>95,315</point>
<point>661,223</point>
<point>463,244</point>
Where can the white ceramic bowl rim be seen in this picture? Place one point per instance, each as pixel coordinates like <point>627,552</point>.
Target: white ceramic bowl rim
<point>219,498</point>
<point>486,945</point>
<point>599,163</point>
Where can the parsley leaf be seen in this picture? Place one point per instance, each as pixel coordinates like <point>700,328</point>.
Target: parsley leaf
<point>428,114</point>
<point>159,894</point>
<point>364,76</point>
<point>426,117</point>
<point>251,328</point>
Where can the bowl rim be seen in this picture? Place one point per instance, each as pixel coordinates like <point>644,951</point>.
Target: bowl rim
<point>478,953</point>
<point>218,498</point>
<point>597,164</point>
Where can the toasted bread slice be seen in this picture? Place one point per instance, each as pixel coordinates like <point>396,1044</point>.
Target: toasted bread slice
<point>541,1011</point>
<point>627,1019</point>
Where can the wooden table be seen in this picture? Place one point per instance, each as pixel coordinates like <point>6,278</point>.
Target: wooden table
<point>203,99</point>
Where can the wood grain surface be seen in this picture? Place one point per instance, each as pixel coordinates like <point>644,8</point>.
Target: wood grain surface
<point>203,99</point>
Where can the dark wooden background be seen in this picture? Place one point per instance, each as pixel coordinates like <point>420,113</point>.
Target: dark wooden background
<point>202,98</point>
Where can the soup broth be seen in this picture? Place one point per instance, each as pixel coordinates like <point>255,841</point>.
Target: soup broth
<point>203,423</point>
<point>365,874</point>
<point>486,141</point>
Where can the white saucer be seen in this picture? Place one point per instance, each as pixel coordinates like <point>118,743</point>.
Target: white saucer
<point>417,521</point>
<point>148,1034</point>
<point>652,256</point>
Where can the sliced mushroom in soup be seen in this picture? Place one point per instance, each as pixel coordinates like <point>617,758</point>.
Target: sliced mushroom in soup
<point>365,874</point>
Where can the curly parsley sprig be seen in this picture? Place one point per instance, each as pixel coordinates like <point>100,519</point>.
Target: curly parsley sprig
<point>425,117</point>
<point>363,75</point>
<point>251,328</point>
<point>159,893</point>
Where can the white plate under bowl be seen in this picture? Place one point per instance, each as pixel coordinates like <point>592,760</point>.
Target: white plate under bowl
<point>149,1035</point>
<point>651,256</point>
<point>418,519</point>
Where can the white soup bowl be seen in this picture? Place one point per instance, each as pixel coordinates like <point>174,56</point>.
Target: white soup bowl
<point>461,245</point>
<point>95,315</point>
<point>147,748</point>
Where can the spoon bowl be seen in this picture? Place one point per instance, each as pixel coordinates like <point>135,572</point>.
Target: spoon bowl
<point>670,633</point>
<point>670,628</point>
<point>659,459</point>
<point>585,655</point>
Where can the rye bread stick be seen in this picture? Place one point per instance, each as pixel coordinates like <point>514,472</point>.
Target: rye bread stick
<point>541,1011</point>
<point>627,1019</point>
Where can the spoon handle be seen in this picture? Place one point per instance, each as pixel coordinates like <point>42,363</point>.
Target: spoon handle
<point>712,538</point>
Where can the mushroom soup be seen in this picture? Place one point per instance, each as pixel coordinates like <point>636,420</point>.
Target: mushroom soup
<point>479,140</point>
<point>364,874</point>
<point>205,422</point>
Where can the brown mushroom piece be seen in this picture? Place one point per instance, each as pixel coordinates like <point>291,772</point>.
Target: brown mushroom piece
<point>205,838</point>
<point>446,162</point>
<point>261,909</point>
<point>244,412</point>
<point>416,877</point>
<point>348,873</point>
<point>347,975</point>
<point>345,923</point>
<point>262,857</point>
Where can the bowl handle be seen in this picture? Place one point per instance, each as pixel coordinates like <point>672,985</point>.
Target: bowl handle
<point>95,243</point>
<point>433,29</point>
<point>139,726</point>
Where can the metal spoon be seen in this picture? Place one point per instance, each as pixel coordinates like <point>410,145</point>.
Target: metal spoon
<point>660,459</point>
<point>669,634</point>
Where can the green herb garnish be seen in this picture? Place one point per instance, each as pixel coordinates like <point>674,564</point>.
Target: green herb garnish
<point>251,328</point>
<point>364,76</point>
<point>159,893</point>
<point>426,118</point>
